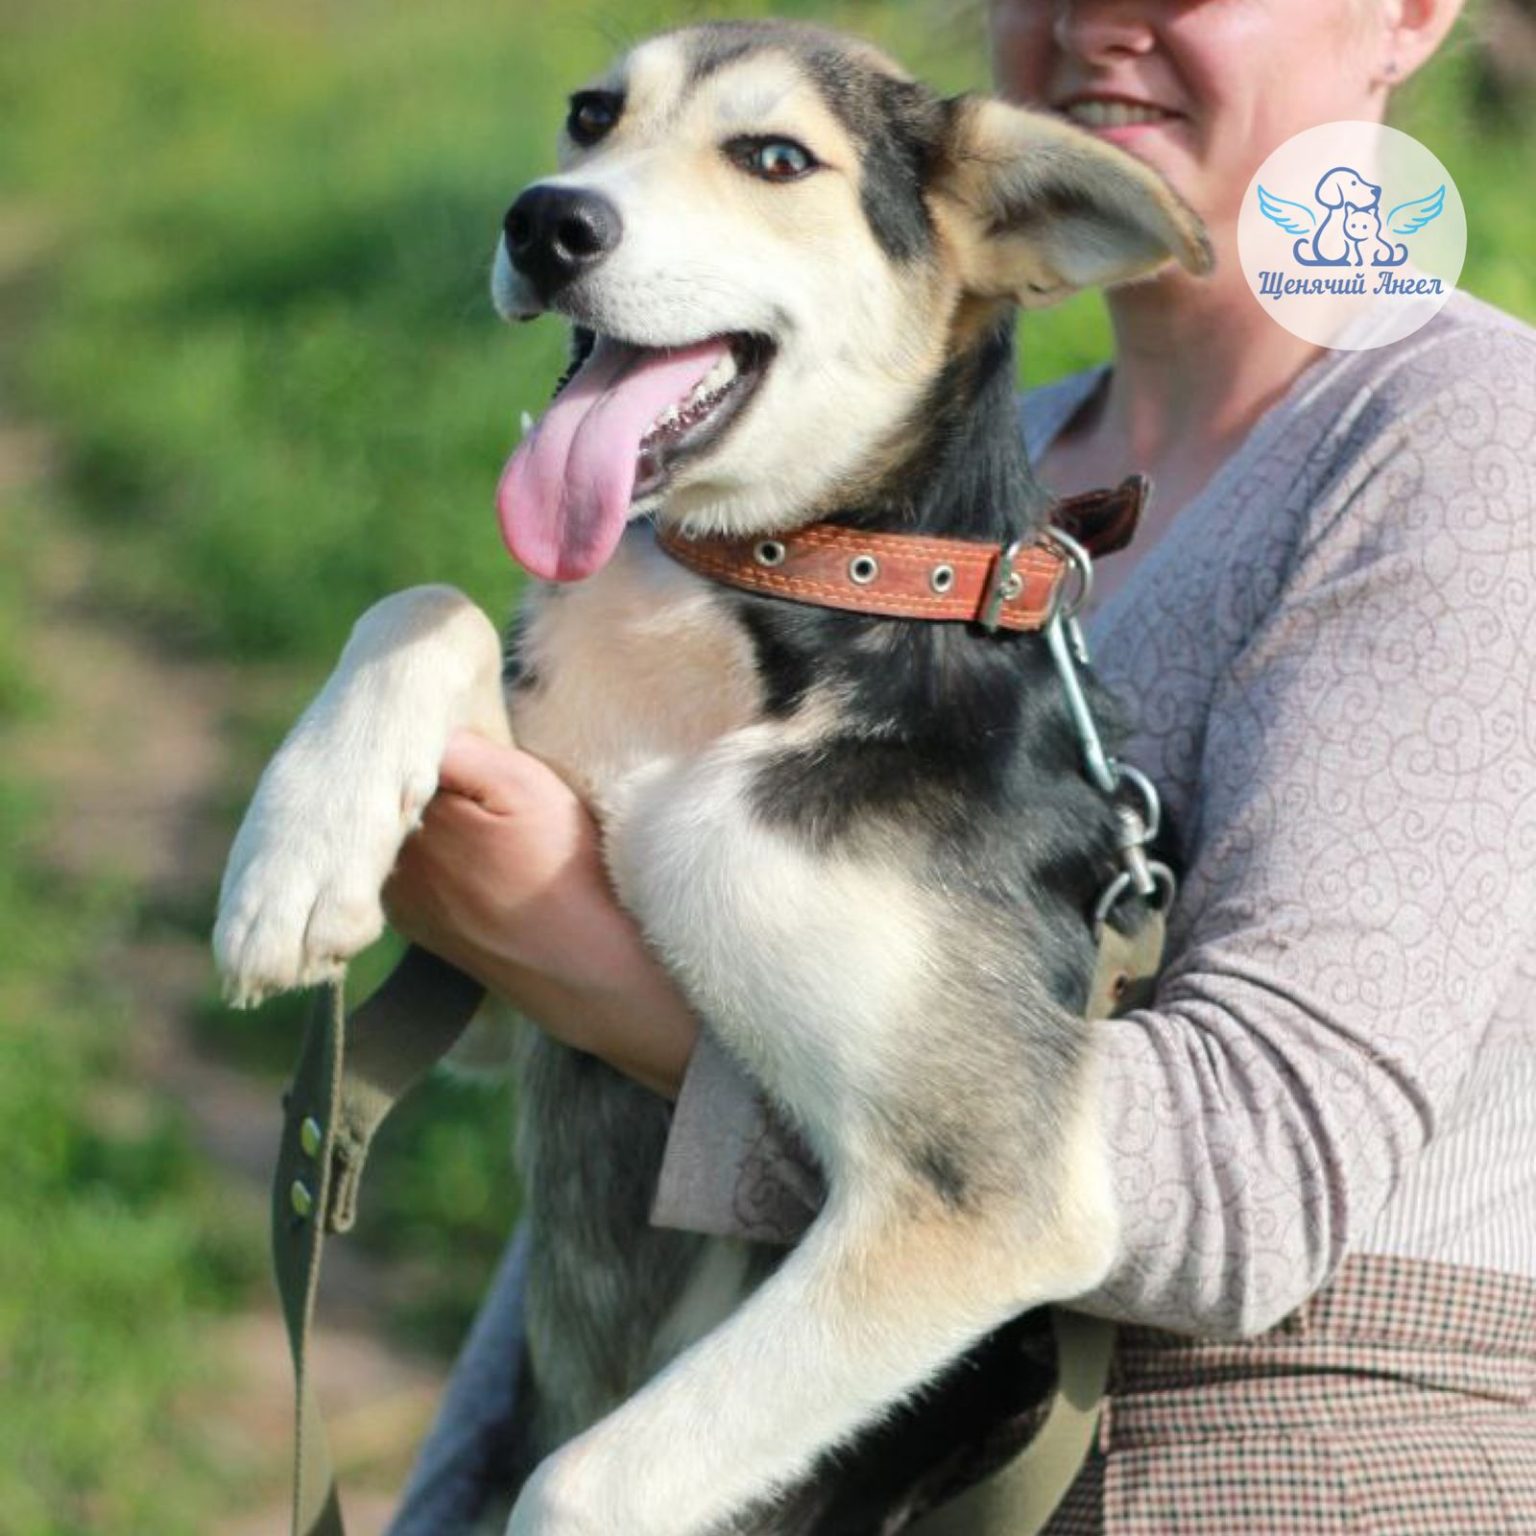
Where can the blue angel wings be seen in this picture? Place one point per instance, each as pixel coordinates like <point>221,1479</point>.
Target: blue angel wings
<point>1410,217</point>
<point>1293,218</point>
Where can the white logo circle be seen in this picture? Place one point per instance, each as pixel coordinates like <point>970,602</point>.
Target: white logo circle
<point>1352,235</point>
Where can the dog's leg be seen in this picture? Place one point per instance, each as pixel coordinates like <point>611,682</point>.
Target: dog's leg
<point>966,1185</point>
<point>300,895</point>
<point>878,1297</point>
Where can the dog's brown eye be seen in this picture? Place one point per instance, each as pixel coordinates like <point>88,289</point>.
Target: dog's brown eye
<point>773,159</point>
<point>593,113</point>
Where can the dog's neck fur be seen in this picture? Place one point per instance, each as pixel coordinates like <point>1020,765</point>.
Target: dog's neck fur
<point>961,469</point>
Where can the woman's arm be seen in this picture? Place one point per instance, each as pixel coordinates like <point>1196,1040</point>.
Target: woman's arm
<point>505,880</point>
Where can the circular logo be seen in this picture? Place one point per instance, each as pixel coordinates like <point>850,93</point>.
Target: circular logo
<point>1352,235</point>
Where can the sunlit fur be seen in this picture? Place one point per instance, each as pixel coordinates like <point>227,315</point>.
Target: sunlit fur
<point>863,847</point>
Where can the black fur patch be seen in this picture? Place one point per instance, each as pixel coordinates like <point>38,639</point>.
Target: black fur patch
<point>938,1166</point>
<point>898,126</point>
<point>517,672</point>
<point>947,732</point>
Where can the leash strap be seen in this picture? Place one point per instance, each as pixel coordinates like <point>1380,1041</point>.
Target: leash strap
<point>350,1074</point>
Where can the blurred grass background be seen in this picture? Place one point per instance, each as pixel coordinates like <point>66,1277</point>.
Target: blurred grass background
<point>250,316</point>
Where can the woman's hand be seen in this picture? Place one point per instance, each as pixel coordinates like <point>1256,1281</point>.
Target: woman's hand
<point>505,880</point>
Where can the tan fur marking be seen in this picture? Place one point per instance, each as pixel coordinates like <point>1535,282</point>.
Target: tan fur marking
<point>636,662</point>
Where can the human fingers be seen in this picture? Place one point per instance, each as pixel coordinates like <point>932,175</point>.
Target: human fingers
<point>501,779</point>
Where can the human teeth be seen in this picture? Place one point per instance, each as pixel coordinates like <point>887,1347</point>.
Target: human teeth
<point>1113,114</point>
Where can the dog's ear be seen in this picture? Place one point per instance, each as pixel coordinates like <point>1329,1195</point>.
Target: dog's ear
<point>1037,209</point>
<point>1329,193</point>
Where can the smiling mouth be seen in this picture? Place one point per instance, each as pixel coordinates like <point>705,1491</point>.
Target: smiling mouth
<point>1105,112</point>
<point>696,422</point>
<point>623,419</point>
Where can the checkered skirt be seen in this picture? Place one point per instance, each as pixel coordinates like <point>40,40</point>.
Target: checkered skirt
<point>1400,1401</point>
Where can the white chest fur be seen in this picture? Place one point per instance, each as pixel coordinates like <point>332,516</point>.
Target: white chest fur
<point>637,665</point>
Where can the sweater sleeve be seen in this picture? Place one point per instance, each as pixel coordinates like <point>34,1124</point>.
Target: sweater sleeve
<point>1360,878</point>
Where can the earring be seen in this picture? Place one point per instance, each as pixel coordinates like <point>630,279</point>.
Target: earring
<point>1391,69</point>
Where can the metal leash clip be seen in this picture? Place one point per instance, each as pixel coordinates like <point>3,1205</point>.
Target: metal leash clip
<point>1144,877</point>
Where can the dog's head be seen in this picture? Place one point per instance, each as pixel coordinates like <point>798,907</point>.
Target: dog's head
<point>771,241</point>
<point>1342,187</point>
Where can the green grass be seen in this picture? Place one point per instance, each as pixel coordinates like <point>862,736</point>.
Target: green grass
<point>116,1247</point>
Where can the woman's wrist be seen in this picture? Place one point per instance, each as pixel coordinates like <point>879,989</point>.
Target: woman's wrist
<point>619,1005</point>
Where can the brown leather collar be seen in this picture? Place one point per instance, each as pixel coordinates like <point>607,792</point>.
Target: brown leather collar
<point>913,576</point>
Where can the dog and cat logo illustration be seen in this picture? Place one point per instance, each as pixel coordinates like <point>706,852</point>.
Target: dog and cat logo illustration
<point>1347,229</point>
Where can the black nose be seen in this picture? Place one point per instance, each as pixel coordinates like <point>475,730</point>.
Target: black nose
<point>554,233</point>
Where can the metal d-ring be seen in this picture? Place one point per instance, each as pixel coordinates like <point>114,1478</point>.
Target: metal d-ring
<point>1162,878</point>
<point>1152,820</point>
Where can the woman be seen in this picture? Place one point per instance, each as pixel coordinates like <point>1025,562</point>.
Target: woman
<point>1324,1130</point>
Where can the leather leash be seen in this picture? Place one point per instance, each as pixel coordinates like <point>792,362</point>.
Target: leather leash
<point>352,1071</point>
<point>350,1074</point>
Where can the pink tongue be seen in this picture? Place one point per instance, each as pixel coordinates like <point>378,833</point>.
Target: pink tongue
<point>564,495</point>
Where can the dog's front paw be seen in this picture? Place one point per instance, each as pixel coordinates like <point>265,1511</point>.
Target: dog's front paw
<point>301,893</point>
<point>284,922</point>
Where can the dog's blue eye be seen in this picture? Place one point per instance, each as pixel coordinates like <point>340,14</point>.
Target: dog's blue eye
<point>773,159</point>
<point>593,113</point>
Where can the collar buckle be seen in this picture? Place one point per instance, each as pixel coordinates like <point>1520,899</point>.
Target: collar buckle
<point>1003,584</point>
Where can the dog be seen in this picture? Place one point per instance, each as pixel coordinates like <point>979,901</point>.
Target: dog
<point>863,846</point>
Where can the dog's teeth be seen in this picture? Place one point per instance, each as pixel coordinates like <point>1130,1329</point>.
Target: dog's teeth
<point>718,376</point>
<point>702,399</point>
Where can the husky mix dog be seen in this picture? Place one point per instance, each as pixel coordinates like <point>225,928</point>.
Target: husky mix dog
<point>863,846</point>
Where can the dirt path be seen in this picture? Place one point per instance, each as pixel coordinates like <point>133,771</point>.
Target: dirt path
<point>133,743</point>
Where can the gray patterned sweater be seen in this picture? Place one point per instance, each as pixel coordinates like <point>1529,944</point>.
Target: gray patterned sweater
<point>1332,656</point>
